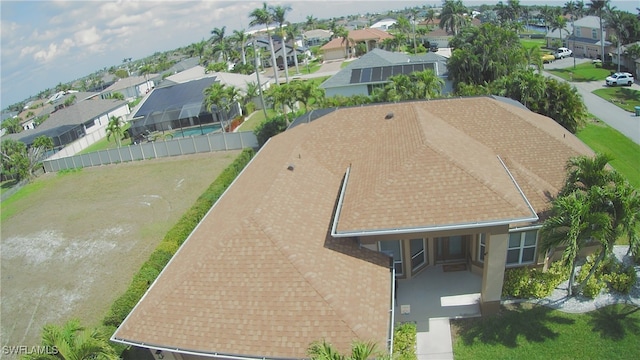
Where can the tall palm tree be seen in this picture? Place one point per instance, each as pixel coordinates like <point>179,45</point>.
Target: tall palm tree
<point>198,49</point>
<point>262,16</point>
<point>73,342</point>
<point>115,128</point>
<point>572,223</point>
<point>559,23</point>
<point>615,20</point>
<point>307,92</point>
<point>343,32</point>
<point>216,95</point>
<point>279,14</point>
<point>220,42</point>
<point>452,17</point>
<point>293,31</point>
<point>430,16</point>
<point>240,39</point>
<point>597,7</point>
<point>311,22</point>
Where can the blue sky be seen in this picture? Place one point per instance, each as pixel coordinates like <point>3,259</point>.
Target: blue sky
<point>44,43</point>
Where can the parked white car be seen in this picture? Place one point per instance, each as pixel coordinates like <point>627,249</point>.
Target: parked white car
<point>562,53</point>
<point>621,78</point>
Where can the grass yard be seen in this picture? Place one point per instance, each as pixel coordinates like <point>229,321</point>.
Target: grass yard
<point>104,144</point>
<point>71,242</point>
<point>605,139</point>
<point>624,97</point>
<point>530,43</point>
<point>535,332</point>
<point>583,72</point>
<point>257,117</point>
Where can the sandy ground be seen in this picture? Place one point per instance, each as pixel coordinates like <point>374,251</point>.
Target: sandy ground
<point>73,246</point>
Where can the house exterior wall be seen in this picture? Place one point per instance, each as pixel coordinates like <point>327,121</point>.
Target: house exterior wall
<point>334,54</point>
<point>358,89</point>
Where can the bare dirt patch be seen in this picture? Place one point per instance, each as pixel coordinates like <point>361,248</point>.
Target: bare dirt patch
<point>72,247</point>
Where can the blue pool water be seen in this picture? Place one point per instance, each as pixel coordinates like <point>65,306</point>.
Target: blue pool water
<point>194,131</point>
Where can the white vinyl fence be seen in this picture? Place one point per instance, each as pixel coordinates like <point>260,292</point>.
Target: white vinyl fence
<point>151,150</point>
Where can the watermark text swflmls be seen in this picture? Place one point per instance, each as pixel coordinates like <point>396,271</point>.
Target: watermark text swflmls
<point>29,350</point>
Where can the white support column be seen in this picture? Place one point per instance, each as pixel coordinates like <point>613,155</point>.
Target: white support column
<point>495,259</point>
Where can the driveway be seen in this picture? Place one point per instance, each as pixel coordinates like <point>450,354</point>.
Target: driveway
<point>624,121</point>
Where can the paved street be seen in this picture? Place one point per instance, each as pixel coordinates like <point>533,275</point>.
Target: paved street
<point>625,122</point>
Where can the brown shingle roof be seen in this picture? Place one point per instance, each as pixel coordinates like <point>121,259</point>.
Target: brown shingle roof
<point>358,36</point>
<point>261,275</point>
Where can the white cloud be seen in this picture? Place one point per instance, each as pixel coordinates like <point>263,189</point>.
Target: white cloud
<point>87,37</point>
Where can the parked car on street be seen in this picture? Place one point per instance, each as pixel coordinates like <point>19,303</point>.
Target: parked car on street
<point>621,78</point>
<point>563,52</point>
<point>548,58</point>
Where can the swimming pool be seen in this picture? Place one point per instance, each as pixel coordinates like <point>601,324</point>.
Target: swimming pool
<point>195,131</point>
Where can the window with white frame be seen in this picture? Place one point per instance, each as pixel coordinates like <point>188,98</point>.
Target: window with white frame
<point>481,247</point>
<point>594,33</point>
<point>522,247</point>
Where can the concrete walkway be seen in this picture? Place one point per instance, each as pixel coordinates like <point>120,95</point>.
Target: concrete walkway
<point>435,344</point>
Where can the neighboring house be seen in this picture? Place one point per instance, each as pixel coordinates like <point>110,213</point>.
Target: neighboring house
<point>626,62</point>
<point>373,69</point>
<point>316,37</point>
<point>263,43</point>
<point>305,243</point>
<point>198,72</point>
<point>586,42</point>
<point>131,87</point>
<point>177,107</point>
<point>358,24</point>
<point>440,37</point>
<point>384,24</point>
<point>372,38</point>
<point>71,123</point>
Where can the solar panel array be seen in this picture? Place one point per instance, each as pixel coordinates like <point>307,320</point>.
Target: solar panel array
<point>382,73</point>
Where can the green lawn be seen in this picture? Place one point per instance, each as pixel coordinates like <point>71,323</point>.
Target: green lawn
<point>604,139</point>
<point>623,97</point>
<point>104,144</point>
<point>536,332</point>
<point>583,72</point>
<point>256,119</point>
<point>529,43</point>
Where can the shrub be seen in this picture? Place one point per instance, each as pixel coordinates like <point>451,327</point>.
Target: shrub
<point>523,282</point>
<point>404,342</point>
<point>623,280</point>
<point>593,287</point>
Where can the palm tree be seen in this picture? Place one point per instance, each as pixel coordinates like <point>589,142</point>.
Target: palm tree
<point>307,92</point>
<point>428,84</point>
<point>115,128</point>
<point>572,223</point>
<point>452,17</point>
<point>293,31</point>
<point>240,39</point>
<point>279,13</point>
<point>73,342</point>
<point>430,16</point>
<point>220,42</point>
<point>198,49</point>
<point>585,172</point>
<point>325,351</point>
<point>222,97</point>
<point>534,57</point>
<point>262,16</point>
<point>596,7</point>
<point>615,21</point>
<point>282,97</point>
<point>347,41</point>
<point>311,22</point>
<point>559,23</point>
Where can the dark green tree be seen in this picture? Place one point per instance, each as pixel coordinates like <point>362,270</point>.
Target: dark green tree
<point>484,54</point>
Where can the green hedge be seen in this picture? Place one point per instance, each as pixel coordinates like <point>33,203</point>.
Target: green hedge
<point>404,342</point>
<point>150,270</point>
<point>526,283</point>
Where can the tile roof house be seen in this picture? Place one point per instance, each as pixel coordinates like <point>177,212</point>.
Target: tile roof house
<point>130,87</point>
<point>586,41</point>
<point>374,68</point>
<point>73,122</point>
<point>372,38</point>
<point>299,247</point>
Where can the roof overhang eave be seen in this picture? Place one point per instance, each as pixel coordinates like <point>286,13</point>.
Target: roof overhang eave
<point>423,229</point>
<point>216,355</point>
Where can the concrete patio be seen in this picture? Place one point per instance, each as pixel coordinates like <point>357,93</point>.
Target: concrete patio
<point>430,299</point>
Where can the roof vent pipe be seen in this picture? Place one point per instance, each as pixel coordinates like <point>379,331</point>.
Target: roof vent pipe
<point>389,116</point>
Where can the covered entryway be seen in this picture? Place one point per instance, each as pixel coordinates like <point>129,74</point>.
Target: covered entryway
<point>451,248</point>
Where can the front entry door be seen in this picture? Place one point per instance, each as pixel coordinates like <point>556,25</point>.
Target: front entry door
<point>450,248</point>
